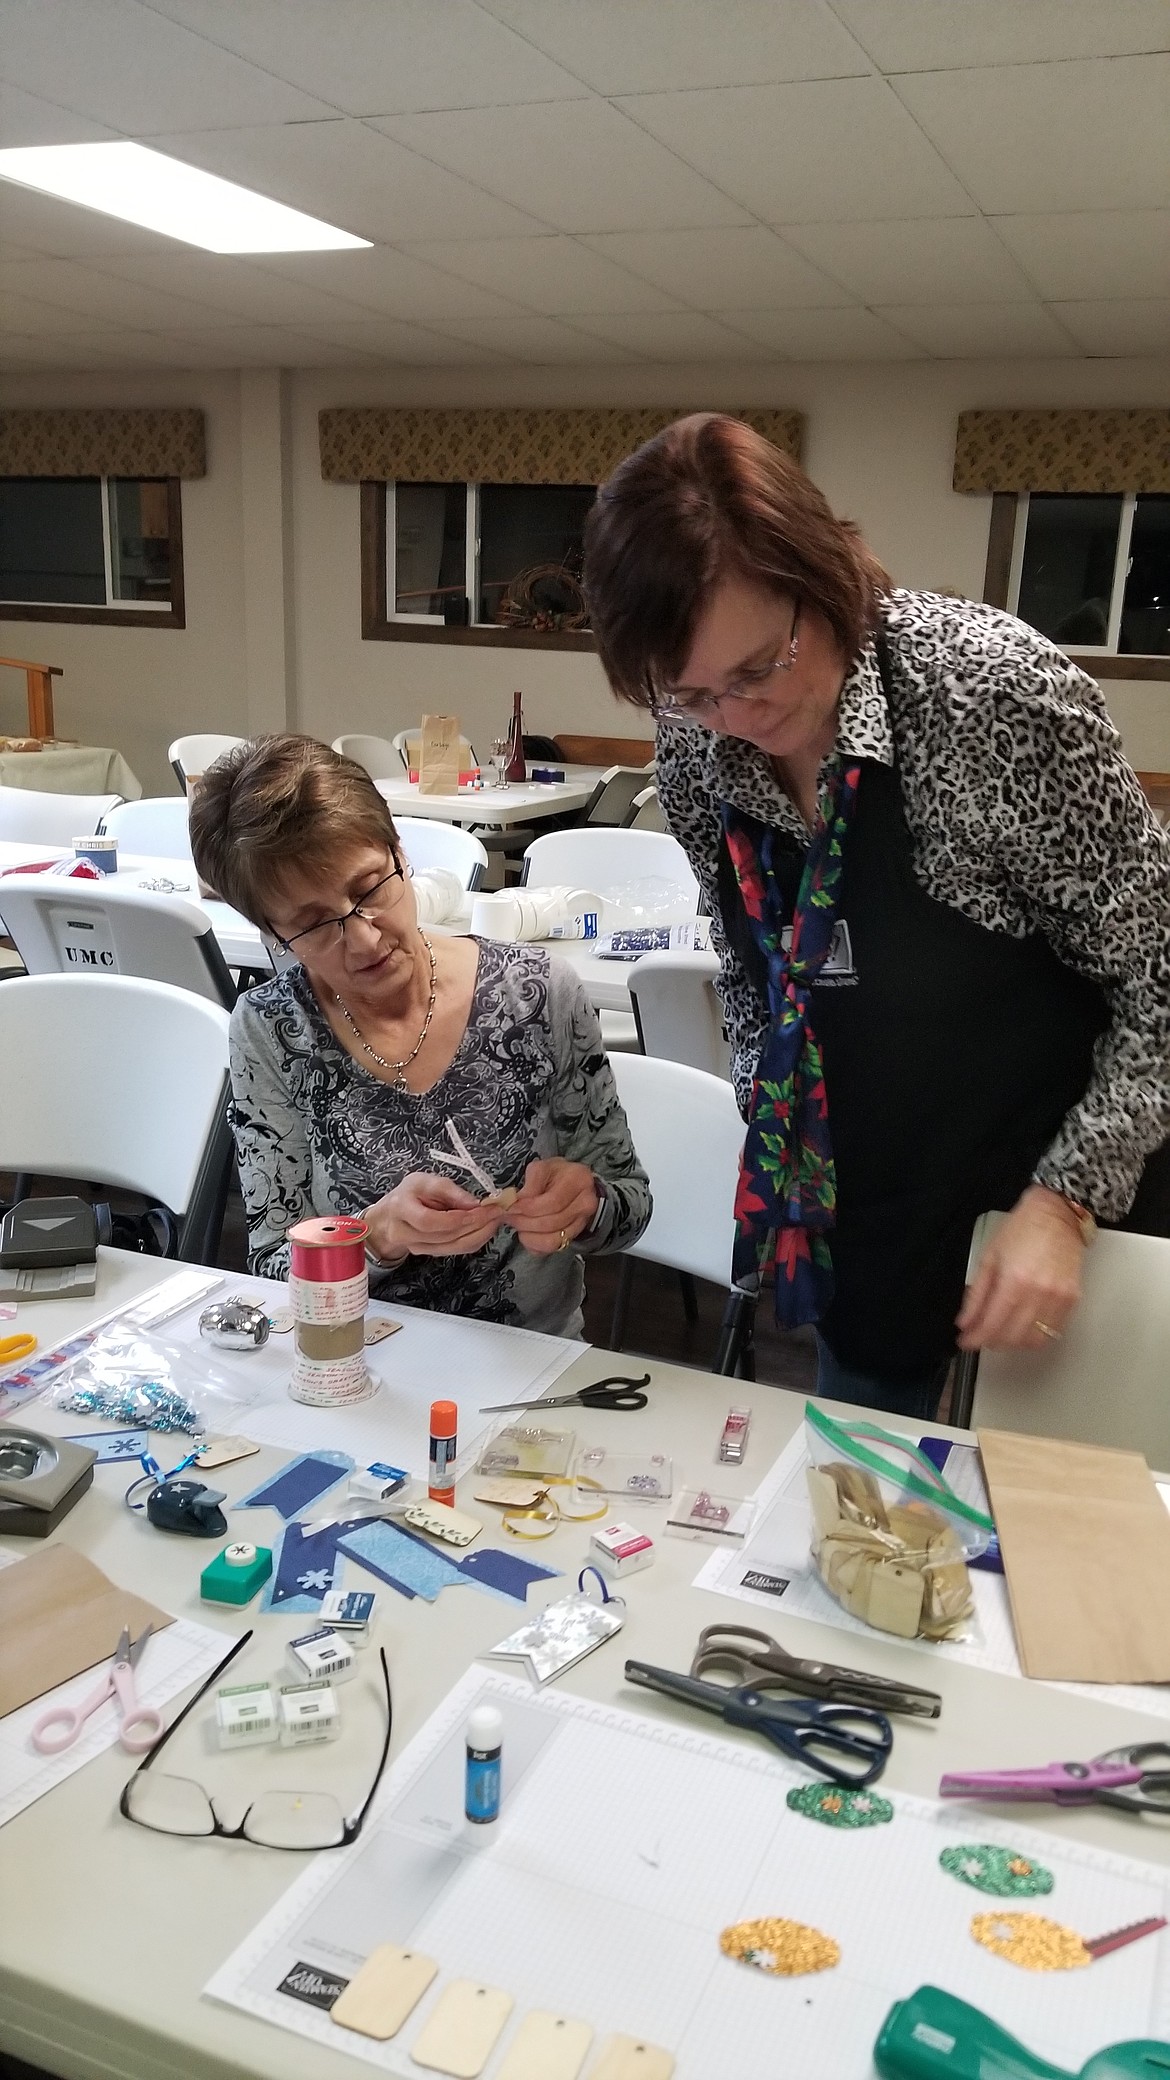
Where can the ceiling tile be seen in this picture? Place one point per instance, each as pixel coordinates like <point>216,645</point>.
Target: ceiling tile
<point>622,49</point>
<point>928,260</point>
<point>27,120</point>
<point>1095,254</point>
<point>1141,326</point>
<point>45,225</point>
<point>1082,135</point>
<point>105,350</point>
<point>29,315</point>
<point>357,178</point>
<point>531,338</point>
<point>225,286</point>
<point>685,336</point>
<point>123,64</point>
<point>412,346</point>
<point>102,297</point>
<point>924,35</point>
<point>825,150</point>
<point>841,335</point>
<point>382,57</point>
<point>257,346</point>
<point>556,275</point>
<point>399,285</point>
<point>581,164</point>
<point>742,265</point>
<point>981,332</point>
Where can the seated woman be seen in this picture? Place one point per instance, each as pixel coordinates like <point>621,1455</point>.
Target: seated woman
<point>351,1068</point>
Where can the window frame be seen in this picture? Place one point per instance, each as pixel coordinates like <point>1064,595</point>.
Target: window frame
<point>1001,586</point>
<point>133,614</point>
<point>380,625</point>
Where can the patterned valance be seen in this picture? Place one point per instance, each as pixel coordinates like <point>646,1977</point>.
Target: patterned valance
<point>1072,450</point>
<point>424,444</point>
<point>102,443</point>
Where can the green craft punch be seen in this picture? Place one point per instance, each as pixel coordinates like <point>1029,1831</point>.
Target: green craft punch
<point>933,2036</point>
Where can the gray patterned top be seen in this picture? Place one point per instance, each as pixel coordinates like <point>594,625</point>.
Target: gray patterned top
<point>316,1133</point>
<point>1023,814</point>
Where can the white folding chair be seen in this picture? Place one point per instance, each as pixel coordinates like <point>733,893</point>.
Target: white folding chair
<point>428,843</point>
<point>36,818</point>
<point>190,756</point>
<point>120,1081</point>
<point>613,798</point>
<point>157,826</point>
<point>646,812</point>
<point>96,928</point>
<point>1105,1381</point>
<point>688,1133</point>
<point>378,755</point>
<point>608,861</point>
<point>677,1013</point>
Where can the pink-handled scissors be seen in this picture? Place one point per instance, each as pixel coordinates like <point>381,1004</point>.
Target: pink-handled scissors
<point>57,1730</point>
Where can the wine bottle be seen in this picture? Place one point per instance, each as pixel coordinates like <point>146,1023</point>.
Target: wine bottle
<point>516,768</point>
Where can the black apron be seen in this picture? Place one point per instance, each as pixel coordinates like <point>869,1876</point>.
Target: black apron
<point>952,1054</point>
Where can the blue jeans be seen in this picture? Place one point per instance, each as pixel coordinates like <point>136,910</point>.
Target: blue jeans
<point>913,1397</point>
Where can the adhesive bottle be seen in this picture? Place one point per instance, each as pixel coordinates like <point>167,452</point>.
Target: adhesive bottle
<point>444,1443</point>
<point>485,1729</point>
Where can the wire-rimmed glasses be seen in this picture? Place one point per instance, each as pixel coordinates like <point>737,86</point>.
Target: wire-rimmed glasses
<point>323,937</point>
<point>701,709</point>
<point>274,1820</point>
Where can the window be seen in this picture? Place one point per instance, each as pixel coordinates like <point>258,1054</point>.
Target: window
<point>105,549</point>
<point>1093,573</point>
<point>475,562</point>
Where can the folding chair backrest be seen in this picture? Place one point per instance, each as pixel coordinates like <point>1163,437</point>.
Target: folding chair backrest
<point>610,861</point>
<point>428,843</point>
<point>119,1081</point>
<point>646,812</point>
<point>37,818</point>
<point>678,1015</point>
<point>157,826</point>
<point>688,1133</point>
<point>90,928</point>
<point>190,756</point>
<point>614,797</point>
<point>376,754</point>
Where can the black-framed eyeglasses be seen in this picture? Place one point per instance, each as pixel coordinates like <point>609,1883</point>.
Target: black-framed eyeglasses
<point>699,709</point>
<point>274,1820</point>
<point>331,931</point>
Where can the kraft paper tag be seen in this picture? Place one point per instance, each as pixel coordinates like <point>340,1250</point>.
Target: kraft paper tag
<point>378,1328</point>
<point>1085,1540</point>
<point>438,755</point>
<point>59,1615</point>
<point>389,1986</point>
<point>628,2058</point>
<point>462,2031</point>
<point>509,1494</point>
<point>546,2047</point>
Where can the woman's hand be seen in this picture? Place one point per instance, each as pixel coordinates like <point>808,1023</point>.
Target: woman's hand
<point>556,1201</point>
<point>428,1215</point>
<point>1030,1272</point>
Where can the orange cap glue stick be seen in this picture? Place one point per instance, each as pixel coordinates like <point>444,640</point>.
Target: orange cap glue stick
<point>444,1443</point>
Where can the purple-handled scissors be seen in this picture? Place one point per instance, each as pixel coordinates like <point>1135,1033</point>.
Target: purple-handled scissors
<point>57,1730</point>
<point>1136,1779</point>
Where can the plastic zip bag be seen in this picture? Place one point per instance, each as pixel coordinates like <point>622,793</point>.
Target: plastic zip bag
<point>891,1538</point>
<point>134,1378</point>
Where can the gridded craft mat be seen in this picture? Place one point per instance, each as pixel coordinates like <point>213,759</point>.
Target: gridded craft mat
<point>626,1844</point>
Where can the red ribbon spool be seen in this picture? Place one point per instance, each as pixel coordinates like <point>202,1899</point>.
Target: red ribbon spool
<point>329,1250</point>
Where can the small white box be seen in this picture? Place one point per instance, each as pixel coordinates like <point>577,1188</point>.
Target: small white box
<point>322,1656</point>
<point>376,1483</point>
<point>309,1712</point>
<point>349,1611</point>
<point>246,1715</point>
<point>621,1549</point>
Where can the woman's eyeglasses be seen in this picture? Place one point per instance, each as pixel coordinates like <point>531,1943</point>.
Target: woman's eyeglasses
<point>275,1820</point>
<point>377,902</point>
<point>702,708</point>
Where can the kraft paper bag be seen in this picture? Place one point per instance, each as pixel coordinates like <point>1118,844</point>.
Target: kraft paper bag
<point>59,1615</point>
<point>1085,1540</point>
<point>438,756</point>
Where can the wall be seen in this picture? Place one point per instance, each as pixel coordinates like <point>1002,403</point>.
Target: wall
<point>272,553</point>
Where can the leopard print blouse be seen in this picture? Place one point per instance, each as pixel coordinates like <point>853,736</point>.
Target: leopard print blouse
<point>1023,814</point>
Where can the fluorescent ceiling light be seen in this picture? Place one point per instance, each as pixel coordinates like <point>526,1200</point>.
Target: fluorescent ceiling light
<point>164,194</point>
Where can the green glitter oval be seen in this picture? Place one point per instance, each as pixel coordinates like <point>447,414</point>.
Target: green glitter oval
<point>1005,1872</point>
<point>835,1806</point>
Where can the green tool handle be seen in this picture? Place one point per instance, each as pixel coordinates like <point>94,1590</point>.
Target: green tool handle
<point>934,2036</point>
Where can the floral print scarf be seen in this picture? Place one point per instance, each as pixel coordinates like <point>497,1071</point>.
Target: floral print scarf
<point>786,1199</point>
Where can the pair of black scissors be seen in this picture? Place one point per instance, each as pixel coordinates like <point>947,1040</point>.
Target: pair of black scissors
<point>614,1392</point>
<point>849,1744</point>
<point>754,1657</point>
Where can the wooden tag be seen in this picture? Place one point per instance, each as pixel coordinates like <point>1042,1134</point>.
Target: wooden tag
<point>220,1451</point>
<point>628,2058</point>
<point>462,2030</point>
<point>378,1328</point>
<point>439,1520</point>
<point>379,1998</point>
<point>509,1494</point>
<point>547,2047</point>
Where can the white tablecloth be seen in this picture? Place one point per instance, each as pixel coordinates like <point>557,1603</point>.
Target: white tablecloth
<point>70,769</point>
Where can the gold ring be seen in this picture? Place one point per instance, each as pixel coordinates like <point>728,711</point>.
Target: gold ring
<point>1046,1329</point>
<point>564,1241</point>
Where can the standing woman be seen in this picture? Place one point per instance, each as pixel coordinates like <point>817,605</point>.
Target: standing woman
<point>941,904</point>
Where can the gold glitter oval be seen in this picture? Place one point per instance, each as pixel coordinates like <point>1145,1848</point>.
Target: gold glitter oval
<point>1033,1942</point>
<point>787,1949</point>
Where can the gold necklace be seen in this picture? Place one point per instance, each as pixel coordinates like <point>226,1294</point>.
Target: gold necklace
<point>398,1069</point>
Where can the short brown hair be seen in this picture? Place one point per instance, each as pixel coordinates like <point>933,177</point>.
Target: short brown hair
<point>277,803</point>
<point>705,499</point>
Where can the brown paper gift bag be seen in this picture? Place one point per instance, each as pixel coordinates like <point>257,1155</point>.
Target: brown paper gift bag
<point>59,1615</point>
<point>438,755</point>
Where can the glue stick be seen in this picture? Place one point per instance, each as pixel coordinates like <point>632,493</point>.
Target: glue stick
<point>485,1730</point>
<point>444,1425</point>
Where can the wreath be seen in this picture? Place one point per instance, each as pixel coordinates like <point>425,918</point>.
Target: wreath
<point>546,597</point>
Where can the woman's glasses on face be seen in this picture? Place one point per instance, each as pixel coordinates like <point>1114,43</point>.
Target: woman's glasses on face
<point>701,710</point>
<point>377,902</point>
